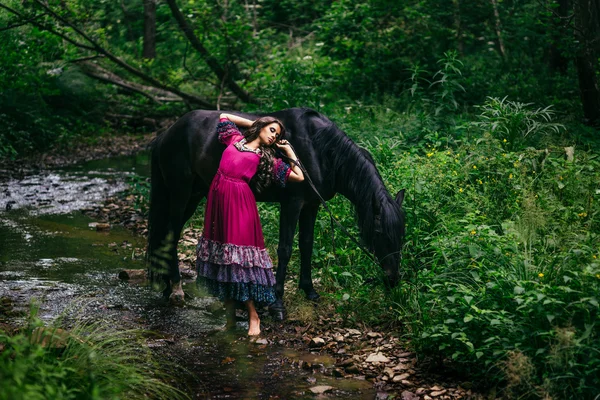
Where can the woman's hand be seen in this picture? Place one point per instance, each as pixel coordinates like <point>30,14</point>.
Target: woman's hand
<point>296,175</point>
<point>284,145</point>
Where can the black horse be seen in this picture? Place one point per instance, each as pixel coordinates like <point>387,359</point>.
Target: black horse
<point>186,157</point>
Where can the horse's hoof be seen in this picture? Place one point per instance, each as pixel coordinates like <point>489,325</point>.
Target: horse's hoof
<point>312,295</point>
<point>277,311</point>
<point>177,298</point>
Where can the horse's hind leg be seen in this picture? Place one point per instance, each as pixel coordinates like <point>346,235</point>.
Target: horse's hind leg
<point>308,216</point>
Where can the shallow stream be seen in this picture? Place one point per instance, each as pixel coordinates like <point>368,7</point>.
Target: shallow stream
<point>51,252</point>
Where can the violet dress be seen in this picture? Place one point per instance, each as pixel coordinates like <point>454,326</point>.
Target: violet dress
<point>232,261</point>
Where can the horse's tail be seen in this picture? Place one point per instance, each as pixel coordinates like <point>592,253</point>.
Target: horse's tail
<point>158,217</point>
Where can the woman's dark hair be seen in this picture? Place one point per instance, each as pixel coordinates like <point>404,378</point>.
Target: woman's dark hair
<point>264,175</point>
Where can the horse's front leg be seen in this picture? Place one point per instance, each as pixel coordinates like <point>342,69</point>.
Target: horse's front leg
<point>288,218</point>
<point>308,216</point>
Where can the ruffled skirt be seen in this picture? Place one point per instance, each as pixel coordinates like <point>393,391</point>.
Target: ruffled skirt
<point>235,272</point>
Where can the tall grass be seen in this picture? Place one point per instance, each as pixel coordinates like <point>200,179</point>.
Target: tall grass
<point>91,360</point>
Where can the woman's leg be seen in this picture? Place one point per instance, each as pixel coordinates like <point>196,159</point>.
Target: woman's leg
<point>230,313</point>
<point>253,320</point>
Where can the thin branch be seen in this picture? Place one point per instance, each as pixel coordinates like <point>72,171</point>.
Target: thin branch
<point>208,58</point>
<point>20,23</point>
<point>46,28</point>
<point>190,97</point>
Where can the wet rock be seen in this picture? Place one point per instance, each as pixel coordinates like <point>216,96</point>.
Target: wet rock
<point>316,342</point>
<point>338,338</point>
<point>437,393</point>
<point>354,332</point>
<point>426,397</point>
<point>373,335</point>
<point>377,357</point>
<point>389,372</point>
<point>382,396</point>
<point>261,341</point>
<point>407,383</point>
<point>321,389</point>
<point>400,378</point>
<point>352,369</point>
<point>406,395</point>
<point>420,391</point>
<point>102,227</point>
<point>132,274</point>
<point>338,373</point>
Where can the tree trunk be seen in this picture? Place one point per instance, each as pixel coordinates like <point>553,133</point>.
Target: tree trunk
<point>149,29</point>
<point>498,25</point>
<point>587,32</point>
<point>458,27</point>
<point>558,61</point>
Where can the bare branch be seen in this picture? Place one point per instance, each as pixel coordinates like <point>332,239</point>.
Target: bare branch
<point>97,47</point>
<point>208,58</point>
<point>97,72</point>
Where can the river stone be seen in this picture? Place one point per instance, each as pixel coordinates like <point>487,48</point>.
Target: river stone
<point>316,342</point>
<point>438,393</point>
<point>377,357</point>
<point>339,338</point>
<point>373,335</point>
<point>389,372</point>
<point>406,395</point>
<point>400,378</point>
<point>352,369</point>
<point>354,332</point>
<point>321,389</point>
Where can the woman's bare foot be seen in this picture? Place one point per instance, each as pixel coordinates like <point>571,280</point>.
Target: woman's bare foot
<point>253,320</point>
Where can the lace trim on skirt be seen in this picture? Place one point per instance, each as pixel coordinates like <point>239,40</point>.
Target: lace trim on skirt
<point>227,253</point>
<point>239,291</point>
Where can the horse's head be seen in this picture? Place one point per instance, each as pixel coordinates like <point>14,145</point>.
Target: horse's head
<point>389,236</point>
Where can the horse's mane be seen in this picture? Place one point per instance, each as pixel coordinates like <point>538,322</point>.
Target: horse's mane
<point>357,178</point>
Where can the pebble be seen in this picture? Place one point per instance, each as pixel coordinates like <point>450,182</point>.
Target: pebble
<point>377,357</point>
<point>438,393</point>
<point>316,342</point>
<point>321,389</point>
<point>400,378</point>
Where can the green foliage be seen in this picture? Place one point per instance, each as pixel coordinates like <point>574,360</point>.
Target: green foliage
<point>91,360</point>
<point>515,124</point>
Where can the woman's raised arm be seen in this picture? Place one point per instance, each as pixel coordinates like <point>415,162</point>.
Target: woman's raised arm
<point>239,121</point>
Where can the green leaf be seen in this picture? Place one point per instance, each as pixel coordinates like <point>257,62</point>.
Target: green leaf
<point>495,322</point>
<point>550,317</point>
<point>468,299</point>
<point>345,297</point>
<point>519,290</point>
<point>468,318</point>
<point>479,354</point>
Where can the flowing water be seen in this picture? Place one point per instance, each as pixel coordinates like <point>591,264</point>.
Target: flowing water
<point>51,252</point>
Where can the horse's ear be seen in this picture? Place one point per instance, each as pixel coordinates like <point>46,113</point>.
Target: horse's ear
<point>400,197</point>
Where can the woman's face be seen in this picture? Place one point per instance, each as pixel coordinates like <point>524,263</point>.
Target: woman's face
<point>269,134</point>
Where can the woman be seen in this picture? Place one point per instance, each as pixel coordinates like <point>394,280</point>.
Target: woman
<point>232,260</point>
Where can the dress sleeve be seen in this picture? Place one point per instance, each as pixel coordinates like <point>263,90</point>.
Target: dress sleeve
<point>228,132</point>
<point>281,172</point>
